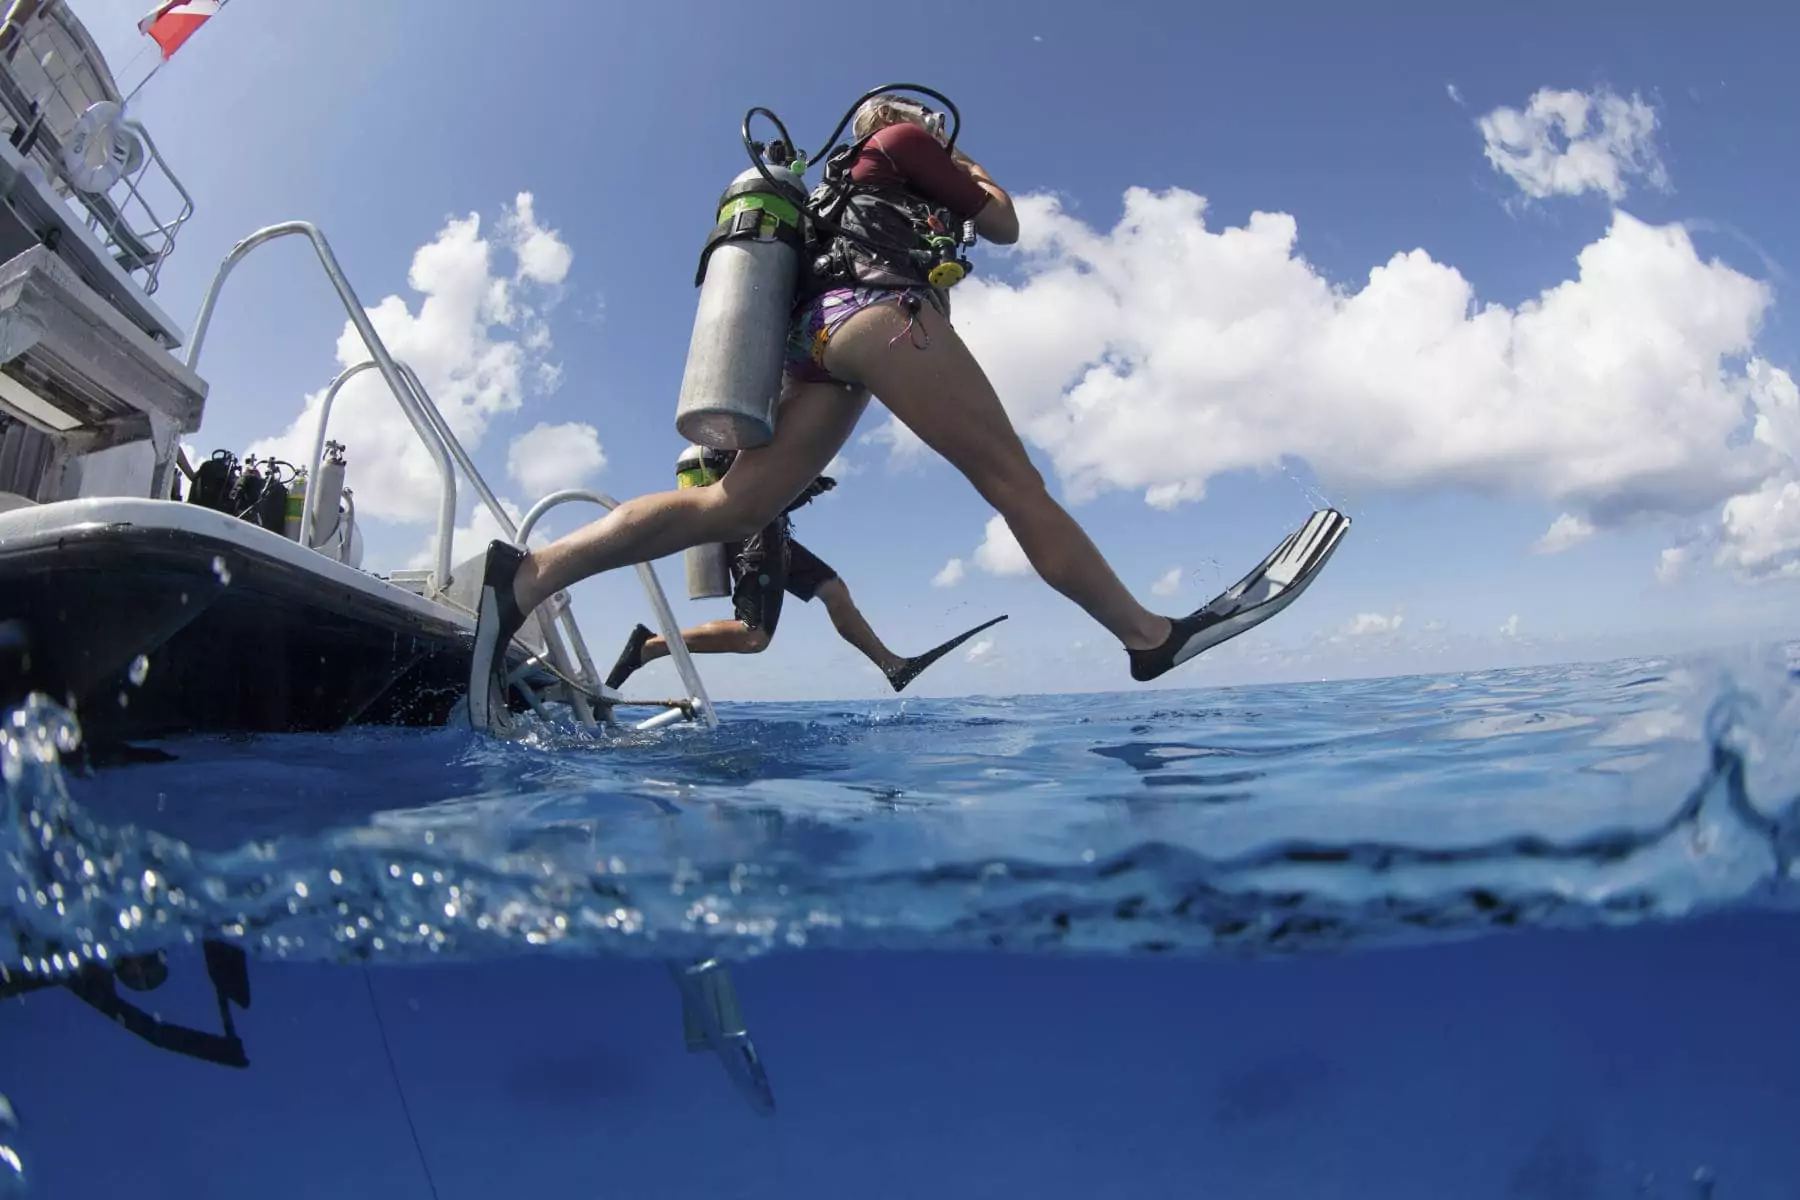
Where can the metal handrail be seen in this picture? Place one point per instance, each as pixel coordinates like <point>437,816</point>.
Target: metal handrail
<point>559,657</point>
<point>659,603</point>
<point>447,451</point>
<point>378,352</point>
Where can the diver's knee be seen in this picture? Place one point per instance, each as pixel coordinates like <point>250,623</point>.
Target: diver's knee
<point>834,595</point>
<point>755,641</point>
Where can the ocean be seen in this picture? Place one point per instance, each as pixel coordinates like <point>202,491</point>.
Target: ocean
<point>1514,934</point>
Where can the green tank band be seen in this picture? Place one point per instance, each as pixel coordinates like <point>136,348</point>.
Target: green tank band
<point>696,477</point>
<point>774,209</point>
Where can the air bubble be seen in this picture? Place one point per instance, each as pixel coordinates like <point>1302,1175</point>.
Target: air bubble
<point>140,671</point>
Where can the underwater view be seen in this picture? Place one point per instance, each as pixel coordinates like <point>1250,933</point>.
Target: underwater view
<point>1505,934</point>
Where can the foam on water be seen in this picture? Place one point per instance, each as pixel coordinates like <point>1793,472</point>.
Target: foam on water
<point>1246,821</point>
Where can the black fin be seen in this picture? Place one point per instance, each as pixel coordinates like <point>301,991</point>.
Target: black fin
<point>915,666</point>
<point>1275,583</point>
<point>630,658</point>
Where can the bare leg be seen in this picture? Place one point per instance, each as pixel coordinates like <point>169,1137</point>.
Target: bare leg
<point>714,637</point>
<point>816,420</point>
<point>853,628</point>
<point>941,393</point>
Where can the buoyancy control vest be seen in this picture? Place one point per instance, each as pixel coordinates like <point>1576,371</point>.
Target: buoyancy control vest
<point>866,235</point>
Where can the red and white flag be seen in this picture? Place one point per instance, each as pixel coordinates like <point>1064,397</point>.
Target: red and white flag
<point>174,21</point>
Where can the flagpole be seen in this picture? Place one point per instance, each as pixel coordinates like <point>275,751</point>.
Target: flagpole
<point>143,81</point>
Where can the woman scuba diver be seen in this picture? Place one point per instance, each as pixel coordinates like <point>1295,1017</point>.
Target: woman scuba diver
<point>870,321</point>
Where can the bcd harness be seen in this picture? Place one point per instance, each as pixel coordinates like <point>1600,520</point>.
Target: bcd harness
<point>868,236</point>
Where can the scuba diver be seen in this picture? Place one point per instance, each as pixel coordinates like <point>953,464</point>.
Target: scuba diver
<point>867,312</point>
<point>762,568</point>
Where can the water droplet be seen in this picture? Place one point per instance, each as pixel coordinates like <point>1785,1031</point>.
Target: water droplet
<point>140,670</point>
<point>12,1166</point>
<point>220,569</point>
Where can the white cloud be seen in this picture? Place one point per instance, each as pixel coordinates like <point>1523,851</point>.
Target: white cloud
<point>951,575</point>
<point>1364,624</point>
<point>1158,354</point>
<point>1566,532</point>
<point>840,468</point>
<point>1511,628</point>
<point>981,651</point>
<point>548,458</point>
<point>478,334</point>
<point>543,256</point>
<point>1565,143</point>
<point>1000,552</point>
<point>1168,583</point>
<point>472,538</point>
<point>1671,564</point>
<point>1450,90</point>
<point>904,446</point>
<point>1760,534</point>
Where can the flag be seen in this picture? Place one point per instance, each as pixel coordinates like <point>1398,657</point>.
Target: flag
<point>174,21</point>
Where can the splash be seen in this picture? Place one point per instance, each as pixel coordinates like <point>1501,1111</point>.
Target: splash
<point>1252,822</point>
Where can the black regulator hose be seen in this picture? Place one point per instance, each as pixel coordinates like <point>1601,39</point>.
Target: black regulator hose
<point>850,114</point>
<point>754,148</point>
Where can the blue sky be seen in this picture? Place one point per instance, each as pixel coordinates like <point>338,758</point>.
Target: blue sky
<point>1187,381</point>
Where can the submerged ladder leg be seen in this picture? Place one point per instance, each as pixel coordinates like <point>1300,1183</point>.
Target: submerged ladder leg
<point>711,1020</point>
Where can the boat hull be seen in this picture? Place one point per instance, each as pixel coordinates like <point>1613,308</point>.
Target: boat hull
<point>153,618</point>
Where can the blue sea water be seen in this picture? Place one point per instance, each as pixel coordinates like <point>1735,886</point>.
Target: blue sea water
<point>1510,934</point>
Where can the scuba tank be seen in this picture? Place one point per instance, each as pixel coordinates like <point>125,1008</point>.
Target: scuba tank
<point>270,510</point>
<point>247,491</point>
<point>214,480</point>
<point>707,578</point>
<point>296,507</point>
<point>324,493</point>
<point>350,536</point>
<point>748,278</point>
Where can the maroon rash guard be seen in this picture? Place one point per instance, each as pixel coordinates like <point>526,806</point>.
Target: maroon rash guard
<point>904,156</point>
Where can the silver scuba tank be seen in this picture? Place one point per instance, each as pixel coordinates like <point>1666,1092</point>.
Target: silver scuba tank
<point>748,274</point>
<point>323,493</point>
<point>707,578</point>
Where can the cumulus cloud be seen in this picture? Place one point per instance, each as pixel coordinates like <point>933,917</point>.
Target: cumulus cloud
<point>1511,627</point>
<point>981,651</point>
<point>1671,564</point>
<point>840,467</point>
<point>1168,583</point>
<point>951,575</point>
<point>1565,143</point>
<point>1000,552</point>
<point>472,537</point>
<point>477,336</point>
<point>1159,353</point>
<point>1364,624</point>
<point>1566,532</point>
<point>548,458</point>
<point>1451,91</point>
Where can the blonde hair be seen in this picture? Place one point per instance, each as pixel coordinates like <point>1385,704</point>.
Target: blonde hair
<point>889,108</point>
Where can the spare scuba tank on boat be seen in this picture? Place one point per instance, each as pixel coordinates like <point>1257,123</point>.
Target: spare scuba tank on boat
<point>748,277</point>
<point>270,510</point>
<point>296,506</point>
<point>247,490</point>
<point>325,493</point>
<point>214,480</point>
<point>707,578</point>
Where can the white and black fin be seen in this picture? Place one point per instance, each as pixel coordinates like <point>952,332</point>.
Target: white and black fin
<point>1276,583</point>
<point>912,668</point>
<point>497,620</point>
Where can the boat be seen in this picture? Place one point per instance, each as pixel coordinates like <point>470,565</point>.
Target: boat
<point>172,598</point>
<point>185,599</point>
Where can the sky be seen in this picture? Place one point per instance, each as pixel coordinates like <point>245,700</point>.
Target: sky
<point>1510,292</point>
